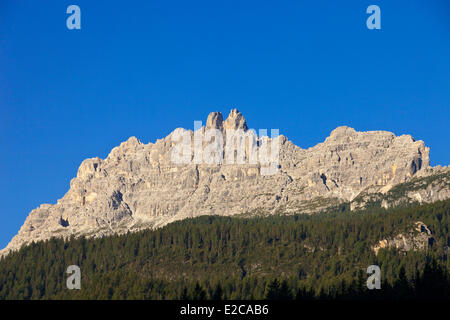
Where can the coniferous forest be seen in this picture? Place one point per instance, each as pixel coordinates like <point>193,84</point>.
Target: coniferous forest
<point>309,257</point>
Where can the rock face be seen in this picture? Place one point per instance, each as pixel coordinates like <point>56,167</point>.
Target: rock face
<point>419,238</point>
<point>214,121</point>
<point>427,185</point>
<point>235,121</point>
<point>138,186</point>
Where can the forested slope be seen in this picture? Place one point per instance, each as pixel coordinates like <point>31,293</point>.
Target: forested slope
<point>323,256</point>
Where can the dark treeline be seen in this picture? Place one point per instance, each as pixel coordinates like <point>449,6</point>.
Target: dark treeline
<point>322,256</point>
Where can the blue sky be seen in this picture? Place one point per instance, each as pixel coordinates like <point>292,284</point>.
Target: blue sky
<point>143,68</point>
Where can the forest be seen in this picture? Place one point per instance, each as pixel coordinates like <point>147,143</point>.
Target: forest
<point>307,257</point>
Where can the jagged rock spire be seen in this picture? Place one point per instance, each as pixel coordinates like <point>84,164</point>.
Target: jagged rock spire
<point>235,121</point>
<point>214,121</point>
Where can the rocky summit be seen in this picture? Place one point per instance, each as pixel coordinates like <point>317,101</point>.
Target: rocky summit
<point>139,186</point>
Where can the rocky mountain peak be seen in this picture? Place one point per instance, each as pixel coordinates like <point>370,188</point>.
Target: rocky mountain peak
<point>235,121</point>
<point>139,186</point>
<point>342,131</point>
<point>214,121</point>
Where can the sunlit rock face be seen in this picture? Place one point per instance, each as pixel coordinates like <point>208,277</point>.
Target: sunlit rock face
<point>138,186</point>
<point>417,238</point>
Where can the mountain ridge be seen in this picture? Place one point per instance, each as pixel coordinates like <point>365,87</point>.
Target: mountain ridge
<point>138,186</point>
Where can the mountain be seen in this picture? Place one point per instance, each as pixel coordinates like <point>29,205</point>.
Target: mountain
<point>140,186</point>
<point>322,256</point>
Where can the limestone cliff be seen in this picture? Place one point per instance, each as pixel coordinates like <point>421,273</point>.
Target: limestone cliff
<point>418,238</point>
<point>138,186</point>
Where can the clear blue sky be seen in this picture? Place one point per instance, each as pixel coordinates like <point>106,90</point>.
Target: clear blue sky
<point>143,68</point>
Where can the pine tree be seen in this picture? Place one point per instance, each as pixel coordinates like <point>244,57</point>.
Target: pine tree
<point>218,293</point>
<point>273,290</point>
